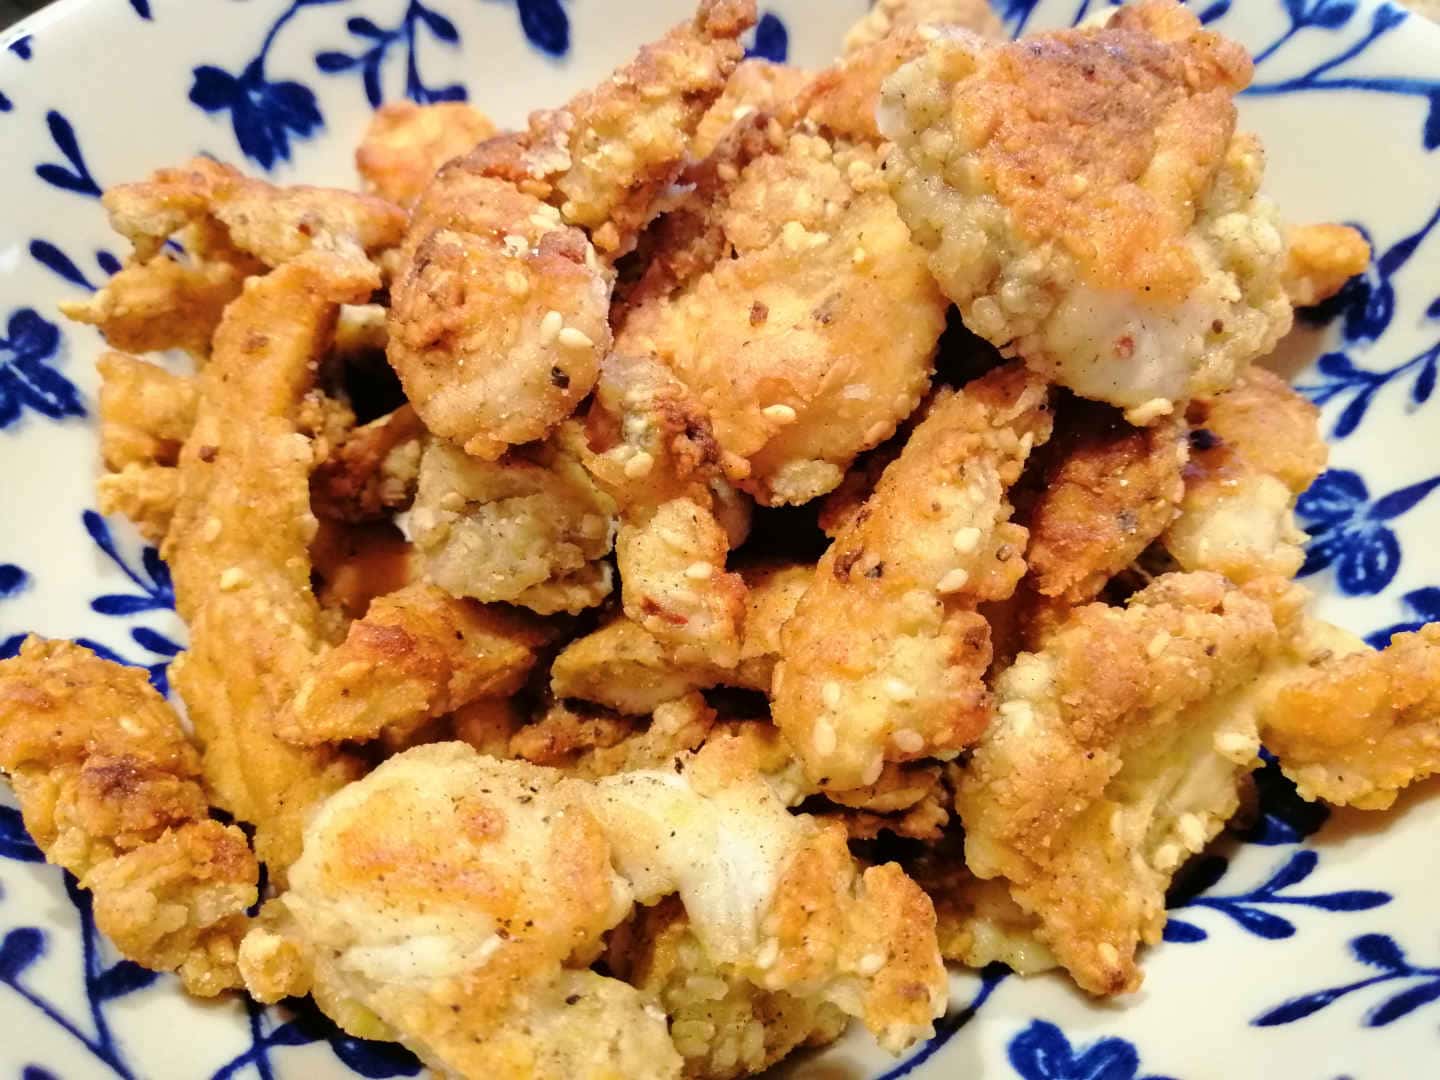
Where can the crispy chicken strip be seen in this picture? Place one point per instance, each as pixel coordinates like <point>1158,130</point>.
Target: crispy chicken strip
<point>887,17</point>
<point>1116,754</point>
<point>1088,205</point>
<point>1108,492</point>
<point>500,313</point>
<point>723,1025</point>
<point>649,444</point>
<point>885,655</point>
<point>1359,724</point>
<point>238,549</point>
<point>109,787</point>
<point>532,529</point>
<point>443,901</point>
<point>373,471</point>
<point>755,86</point>
<point>145,494</point>
<point>1321,259</point>
<point>1256,447</point>
<point>406,144</point>
<point>800,313</point>
<point>418,654</point>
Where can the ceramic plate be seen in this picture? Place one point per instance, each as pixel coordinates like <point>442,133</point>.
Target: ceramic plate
<point>1307,948</point>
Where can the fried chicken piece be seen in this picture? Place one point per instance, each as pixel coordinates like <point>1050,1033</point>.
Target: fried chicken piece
<point>888,17</point>
<point>907,800</point>
<point>722,1024</point>
<point>1117,753</point>
<point>442,901</point>
<point>563,733</point>
<point>532,529</point>
<point>593,745</point>
<point>755,86</point>
<point>885,655</point>
<point>1108,491</point>
<point>405,145</point>
<point>843,98</point>
<point>274,224</point>
<point>1255,448</point>
<point>1088,205</point>
<point>499,319</point>
<point>802,315</point>
<point>145,411</point>
<point>373,471</point>
<point>624,667</point>
<point>785,907</point>
<point>417,654</point>
<point>239,549</point>
<point>1357,724</point>
<point>165,303</point>
<point>1321,259</point>
<point>649,444</point>
<point>488,725</point>
<point>351,565</point>
<point>145,494</point>
<point>109,787</point>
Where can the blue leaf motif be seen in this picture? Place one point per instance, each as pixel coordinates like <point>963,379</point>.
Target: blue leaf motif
<point>1301,865</point>
<point>375,1060</point>
<point>440,26</point>
<point>378,42</point>
<point>360,26</point>
<point>1351,900</point>
<point>1396,503</point>
<point>22,46</point>
<point>1403,1004</point>
<point>35,1072</point>
<point>15,842</point>
<point>11,647</point>
<point>264,115</point>
<point>77,177</point>
<point>26,378</point>
<point>1369,562</point>
<point>1332,14</point>
<point>1181,932</point>
<point>124,978</point>
<point>772,40</point>
<point>55,260</point>
<point>545,25</point>
<point>1042,1052</point>
<point>334,62</point>
<point>1261,923</point>
<point>1334,496</point>
<point>142,8</point>
<point>12,580</point>
<point>1285,818</point>
<point>1424,384</point>
<point>1424,603</point>
<point>1215,11</point>
<point>1298,1008</point>
<point>154,641</point>
<point>120,604</point>
<point>1379,950</point>
<point>20,948</point>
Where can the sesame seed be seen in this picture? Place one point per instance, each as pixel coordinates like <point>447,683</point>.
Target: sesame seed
<point>233,578</point>
<point>953,581</point>
<point>780,414</point>
<point>859,255</point>
<point>540,221</point>
<point>742,111</point>
<point>639,465</point>
<point>908,741</point>
<point>1158,644</point>
<point>966,540</point>
<point>824,737</point>
<point>211,532</point>
<point>1147,413</point>
<point>1109,955</point>
<point>830,694</point>
<point>872,771</point>
<point>516,284</point>
<point>575,339</point>
<point>452,501</point>
<point>592,526</point>
<point>550,327</point>
<point>877,432</point>
<point>699,571</point>
<point>768,954</point>
<point>727,172</point>
<point>870,964</point>
<point>899,690</point>
<point>516,244</point>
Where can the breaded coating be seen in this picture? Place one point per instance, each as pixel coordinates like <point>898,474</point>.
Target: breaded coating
<point>595,745</point>
<point>1255,448</point>
<point>488,725</point>
<point>273,224</point>
<point>755,86</point>
<point>566,731</point>
<point>802,316</point>
<point>907,800</point>
<point>145,412</point>
<point>440,900</point>
<point>773,591</point>
<point>843,98</point>
<point>499,319</point>
<point>145,494</point>
<point>1108,491</point>
<point>351,565</point>
<point>650,445</point>
<point>1088,205</point>
<point>417,654</point>
<point>784,905</point>
<point>887,17</point>
<point>1358,725</point>
<point>885,655</point>
<point>723,1025</point>
<point>531,529</point>
<point>373,471</point>
<point>405,145</point>
<point>165,303</point>
<point>109,787</point>
<point>606,158</point>
<point>1321,259</point>
<point>623,666</point>
<point>1116,753</point>
<point>239,550</point>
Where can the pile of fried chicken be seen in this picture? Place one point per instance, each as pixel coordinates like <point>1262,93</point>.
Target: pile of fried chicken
<point>571,747</point>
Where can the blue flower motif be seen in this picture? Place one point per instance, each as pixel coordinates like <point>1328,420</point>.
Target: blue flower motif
<point>157,592</point>
<point>772,40</point>
<point>1375,951</point>
<point>307,1025</point>
<point>1247,909</point>
<point>22,46</point>
<point>370,61</point>
<point>57,262</point>
<point>76,175</point>
<point>1424,603</point>
<point>1042,1052</point>
<point>1350,531</point>
<point>264,114</point>
<point>27,379</point>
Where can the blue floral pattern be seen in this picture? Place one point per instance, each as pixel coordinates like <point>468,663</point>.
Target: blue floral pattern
<point>28,379</point>
<point>1042,1052</point>
<point>772,40</point>
<point>75,174</point>
<point>379,42</point>
<point>1424,604</point>
<point>57,262</point>
<point>1351,531</point>
<point>1421,986</point>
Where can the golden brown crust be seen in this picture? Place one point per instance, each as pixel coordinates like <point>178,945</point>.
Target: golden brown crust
<point>1108,491</point>
<point>109,787</point>
<point>417,654</point>
<point>1321,259</point>
<point>372,472</point>
<point>888,17</point>
<point>1356,729</point>
<point>755,86</point>
<point>405,145</point>
<point>145,411</point>
<point>885,656</point>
